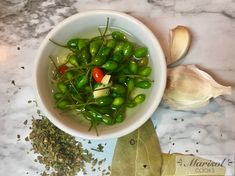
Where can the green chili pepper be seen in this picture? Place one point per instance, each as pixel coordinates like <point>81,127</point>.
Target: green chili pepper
<point>95,38</point>
<point>58,96</point>
<point>130,84</point>
<point>110,65</point>
<point>117,57</point>
<point>81,81</point>
<point>119,47</point>
<point>117,35</point>
<point>104,110</point>
<point>73,44</point>
<point>111,43</point>
<point>144,71</point>
<point>127,49</point>
<point>130,104</point>
<point>62,87</point>
<point>143,61</point>
<point>69,75</point>
<point>85,56</point>
<point>139,98</point>
<point>76,97</point>
<point>114,94</point>
<point>122,79</point>
<point>119,118</point>
<point>87,89</point>
<point>141,52</point>
<point>82,43</point>
<point>95,46</point>
<point>143,84</point>
<point>107,119</point>
<point>105,51</point>
<point>99,60</point>
<point>118,89</point>
<point>133,67</point>
<point>73,59</point>
<point>62,104</point>
<point>118,101</point>
<point>87,116</point>
<point>125,69</point>
<point>120,115</point>
<point>93,114</point>
<point>104,101</point>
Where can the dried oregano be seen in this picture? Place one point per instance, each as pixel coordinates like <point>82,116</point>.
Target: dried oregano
<point>58,151</point>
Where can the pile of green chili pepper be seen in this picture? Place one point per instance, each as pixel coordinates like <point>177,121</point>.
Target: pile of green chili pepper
<point>126,64</point>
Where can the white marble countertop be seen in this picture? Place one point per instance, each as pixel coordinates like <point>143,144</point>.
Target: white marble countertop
<point>205,132</point>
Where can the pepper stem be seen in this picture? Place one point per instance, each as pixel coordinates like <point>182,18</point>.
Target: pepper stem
<point>58,44</point>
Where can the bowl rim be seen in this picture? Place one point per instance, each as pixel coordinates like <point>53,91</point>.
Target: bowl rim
<point>88,135</point>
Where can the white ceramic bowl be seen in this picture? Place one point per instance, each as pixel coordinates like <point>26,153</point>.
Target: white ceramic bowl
<point>71,27</point>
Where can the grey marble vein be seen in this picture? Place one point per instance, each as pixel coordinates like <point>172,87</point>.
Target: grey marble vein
<point>226,8</point>
<point>31,18</point>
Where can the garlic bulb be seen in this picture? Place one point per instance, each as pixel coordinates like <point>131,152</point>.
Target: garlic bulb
<point>189,87</point>
<point>180,40</point>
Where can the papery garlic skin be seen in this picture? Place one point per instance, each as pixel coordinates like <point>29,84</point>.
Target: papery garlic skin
<point>180,40</point>
<point>189,87</point>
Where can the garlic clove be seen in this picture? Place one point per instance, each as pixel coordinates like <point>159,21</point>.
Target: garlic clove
<point>180,40</point>
<point>189,87</point>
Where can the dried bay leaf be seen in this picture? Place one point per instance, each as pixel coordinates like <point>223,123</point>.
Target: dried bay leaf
<point>184,165</point>
<point>138,153</point>
<point>168,165</point>
<point>189,87</point>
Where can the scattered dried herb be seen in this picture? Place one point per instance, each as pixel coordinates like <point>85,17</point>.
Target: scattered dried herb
<point>26,139</point>
<point>100,148</point>
<point>58,151</point>
<point>38,112</point>
<point>25,122</point>
<point>101,161</point>
<point>13,82</point>
<point>94,162</point>
<point>18,137</point>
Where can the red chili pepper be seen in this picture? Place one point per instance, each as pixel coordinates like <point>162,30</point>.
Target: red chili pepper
<point>97,74</point>
<point>62,69</point>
